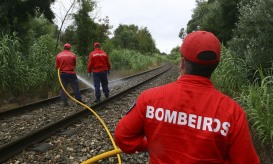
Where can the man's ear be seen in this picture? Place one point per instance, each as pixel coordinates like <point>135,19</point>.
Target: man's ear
<point>182,64</point>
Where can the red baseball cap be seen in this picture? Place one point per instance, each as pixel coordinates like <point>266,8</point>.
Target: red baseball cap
<point>67,45</point>
<point>201,47</point>
<point>96,44</point>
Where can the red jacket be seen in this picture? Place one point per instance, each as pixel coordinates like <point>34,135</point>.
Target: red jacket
<point>189,122</point>
<point>98,61</point>
<point>66,61</point>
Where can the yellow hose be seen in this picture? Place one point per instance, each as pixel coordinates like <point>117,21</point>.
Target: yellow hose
<point>103,155</point>
<point>107,154</point>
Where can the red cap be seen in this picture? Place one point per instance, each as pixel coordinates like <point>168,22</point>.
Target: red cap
<point>67,45</point>
<point>97,44</point>
<point>201,41</point>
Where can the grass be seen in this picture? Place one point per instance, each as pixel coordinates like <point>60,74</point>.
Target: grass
<point>255,97</point>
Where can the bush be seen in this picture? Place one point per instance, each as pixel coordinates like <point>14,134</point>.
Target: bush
<point>257,101</point>
<point>13,68</point>
<point>129,59</point>
<point>230,75</point>
<point>253,35</point>
<point>41,61</point>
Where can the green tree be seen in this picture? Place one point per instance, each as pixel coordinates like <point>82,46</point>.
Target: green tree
<point>103,29</point>
<point>134,38</point>
<point>85,27</point>
<point>70,35</point>
<point>253,35</point>
<point>229,17</point>
<point>218,17</point>
<point>14,13</point>
<point>197,17</point>
<point>146,44</point>
<point>36,27</point>
<point>28,19</point>
<point>125,37</point>
<point>175,55</point>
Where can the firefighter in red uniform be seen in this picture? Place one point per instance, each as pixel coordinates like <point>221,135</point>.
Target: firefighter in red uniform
<point>189,121</point>
<point>99,64</point>
<point>66,61</point>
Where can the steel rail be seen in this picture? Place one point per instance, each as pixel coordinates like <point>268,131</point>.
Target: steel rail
<point>38,104</point>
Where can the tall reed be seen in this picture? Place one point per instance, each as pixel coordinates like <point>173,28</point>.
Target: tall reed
<point>257,99</point>
<point>128,59</point>
<point>230,75</point>
<point>13,68</point>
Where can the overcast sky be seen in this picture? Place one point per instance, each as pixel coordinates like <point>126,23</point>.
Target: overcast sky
<point>163,18</point>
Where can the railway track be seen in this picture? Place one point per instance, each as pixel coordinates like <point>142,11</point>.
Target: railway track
<point>37,105</point>
<point>69,116</point>
<point>31,117</point>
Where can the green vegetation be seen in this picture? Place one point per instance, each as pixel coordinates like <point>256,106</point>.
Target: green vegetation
<point>255,97</point>
<point>245,71</point>
<point>28,46</point>
<point>257,100</point>
<point>131,37</point>
<point>126,59</point>
<point>175,56</point>
<point>252,41</point>
<point>230,75</point>
<point>26,75</point>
